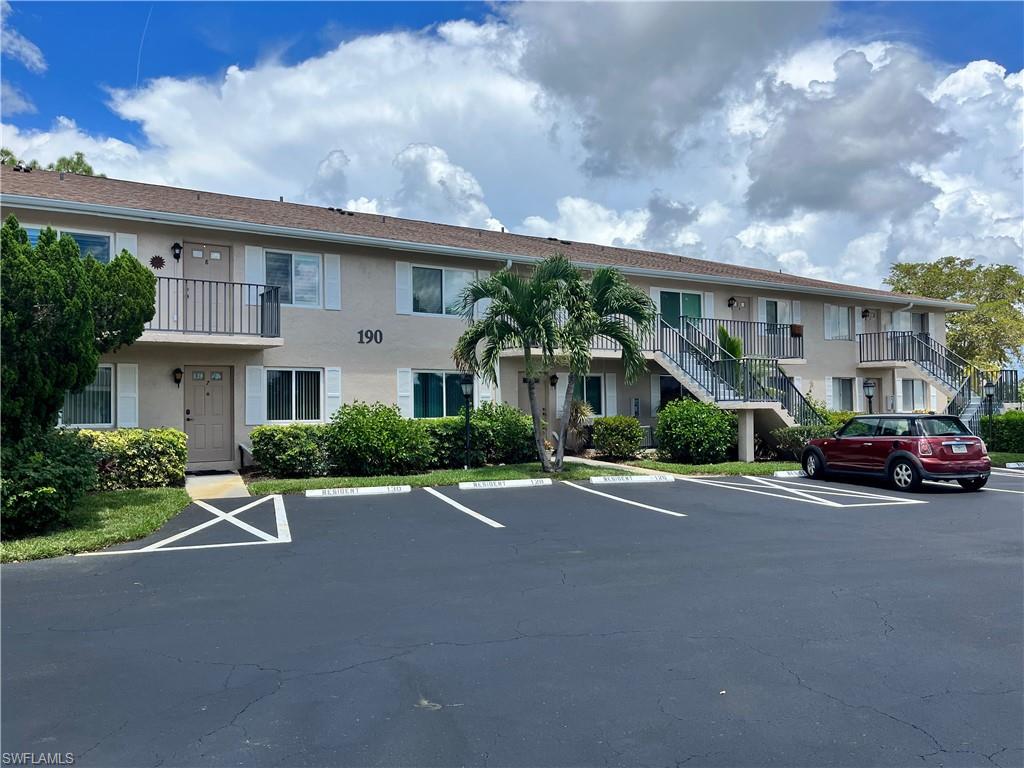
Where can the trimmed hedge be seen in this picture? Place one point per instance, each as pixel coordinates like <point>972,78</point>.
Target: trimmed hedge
<point>448,442</point>
<point>139,458</point>
<point>1004,432</point>
<point>44,477</point>
<point>504,433</point>
<point>290,450</point>
<point>692,432</point>
<point>790,441</point>
<point>374,439</point>
<point>618,437</point>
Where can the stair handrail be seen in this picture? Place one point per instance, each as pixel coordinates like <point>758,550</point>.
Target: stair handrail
<point>791,398</point>
<point>711,377</point>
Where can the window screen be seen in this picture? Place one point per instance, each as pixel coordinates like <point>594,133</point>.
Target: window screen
<point>94,404</point>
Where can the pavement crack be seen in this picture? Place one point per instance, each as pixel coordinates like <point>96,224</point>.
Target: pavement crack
<point>842,702</point>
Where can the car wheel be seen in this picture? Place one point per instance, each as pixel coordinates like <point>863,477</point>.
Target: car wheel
<point>904,475</point>
<point>813,465</point>
<point>975,484</point>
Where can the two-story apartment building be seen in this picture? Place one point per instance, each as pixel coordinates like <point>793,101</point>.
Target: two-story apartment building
<point>272,312</point>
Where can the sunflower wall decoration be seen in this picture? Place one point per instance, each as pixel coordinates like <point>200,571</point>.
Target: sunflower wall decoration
<point>157,262</point>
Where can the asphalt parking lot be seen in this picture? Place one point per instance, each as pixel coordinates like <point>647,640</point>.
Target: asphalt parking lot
<point>714,621</point>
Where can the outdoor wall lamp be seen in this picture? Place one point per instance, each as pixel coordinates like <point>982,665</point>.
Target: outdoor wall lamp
<point>178,375</point>
<point>731,302</point>
<point>176,251</point>
<point>554,379</point>
<point>865,313</point>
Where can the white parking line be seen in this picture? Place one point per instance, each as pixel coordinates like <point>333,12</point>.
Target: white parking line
<point>624,501</point>
<point>1002,490</point>
<point>797,490</point>
<point>463,508</point>
<point>1008,472</point>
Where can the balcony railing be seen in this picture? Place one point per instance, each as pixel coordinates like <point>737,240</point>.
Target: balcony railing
<point>187,305</point>
<point>770,341</point>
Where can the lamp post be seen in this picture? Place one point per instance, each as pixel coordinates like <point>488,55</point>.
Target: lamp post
<point>467,395</point>
<point>869,393</point>
<point>990,390</point>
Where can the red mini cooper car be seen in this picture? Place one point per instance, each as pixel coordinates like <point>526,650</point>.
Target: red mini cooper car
<point>904,447</point>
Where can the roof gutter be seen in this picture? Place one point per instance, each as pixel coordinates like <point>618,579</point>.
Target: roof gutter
<point>234,225</point>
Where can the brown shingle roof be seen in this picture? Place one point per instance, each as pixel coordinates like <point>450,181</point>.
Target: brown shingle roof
<point>152,197</point>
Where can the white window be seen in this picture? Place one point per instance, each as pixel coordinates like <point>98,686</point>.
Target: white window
<point>96,244</point>
<point>842,394</point>
<point>294,394</point>
<point>837,322</point>
<point>94,405</point>
<point>436,394</point>
<point>915,392</point>
<point>436,291</point>
<point>297,275</point>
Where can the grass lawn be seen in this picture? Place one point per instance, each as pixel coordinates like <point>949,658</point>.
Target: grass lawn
<point>260,486</point>
<point>1000,459</point>
<point>725,468</point>
<point>102,519</point>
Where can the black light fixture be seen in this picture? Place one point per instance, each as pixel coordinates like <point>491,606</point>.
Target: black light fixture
<point>466,381</point>
<point>990,392</point>
<point>176,251</point>
<point>178,375</point>
<point>731,302</point>
<point>869,393</point>
<point>553,379</point>
<point>865,313</point>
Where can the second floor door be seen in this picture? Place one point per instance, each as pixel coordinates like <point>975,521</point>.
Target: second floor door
<point>210,303</point>
<point>676,304</point>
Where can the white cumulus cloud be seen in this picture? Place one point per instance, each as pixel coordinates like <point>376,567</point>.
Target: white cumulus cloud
<point>733,132</point>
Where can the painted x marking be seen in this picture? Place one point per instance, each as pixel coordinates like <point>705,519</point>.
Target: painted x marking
<point>219,516</point>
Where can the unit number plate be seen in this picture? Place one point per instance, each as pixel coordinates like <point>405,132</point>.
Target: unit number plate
<point>959,449</point>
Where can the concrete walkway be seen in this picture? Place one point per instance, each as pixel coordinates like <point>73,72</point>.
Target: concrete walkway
<point>228,485</point>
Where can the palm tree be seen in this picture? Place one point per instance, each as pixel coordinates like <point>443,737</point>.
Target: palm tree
<point>521,313</point>
<point>607,306</point>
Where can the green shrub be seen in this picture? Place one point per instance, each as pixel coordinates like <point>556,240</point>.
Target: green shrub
<point>504,433</point>
<point>374,439</point>
<point>448,442</point>
<point>1004,432</point>
<point>692,432</point>
<point>139,458</point>
<point>835,419</point>
<point>790,441</point>
<point>618,436</point>
<point>290,450</point>
<point>44,477</point>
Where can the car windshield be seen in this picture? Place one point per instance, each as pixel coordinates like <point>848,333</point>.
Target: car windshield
<point>949,426</point>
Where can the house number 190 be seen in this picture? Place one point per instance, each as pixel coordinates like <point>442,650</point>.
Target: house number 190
<point>371,336</point>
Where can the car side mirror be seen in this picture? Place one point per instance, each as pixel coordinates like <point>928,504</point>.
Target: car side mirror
<point>836,433</point>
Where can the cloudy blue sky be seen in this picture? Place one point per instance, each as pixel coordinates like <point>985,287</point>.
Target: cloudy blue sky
<point>822,139</point>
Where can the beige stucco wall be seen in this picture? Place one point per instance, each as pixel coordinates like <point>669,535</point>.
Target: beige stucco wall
<point>321,338</point>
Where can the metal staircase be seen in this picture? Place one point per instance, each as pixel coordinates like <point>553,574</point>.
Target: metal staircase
<point>962,382</point>
<point>713,375</point>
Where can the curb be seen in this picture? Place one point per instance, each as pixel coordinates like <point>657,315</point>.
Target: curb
<point>621,479</point>
<point>372,490</point>
<point>789,473</point>
<point>1015,465</point>
<point>479,485</point>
